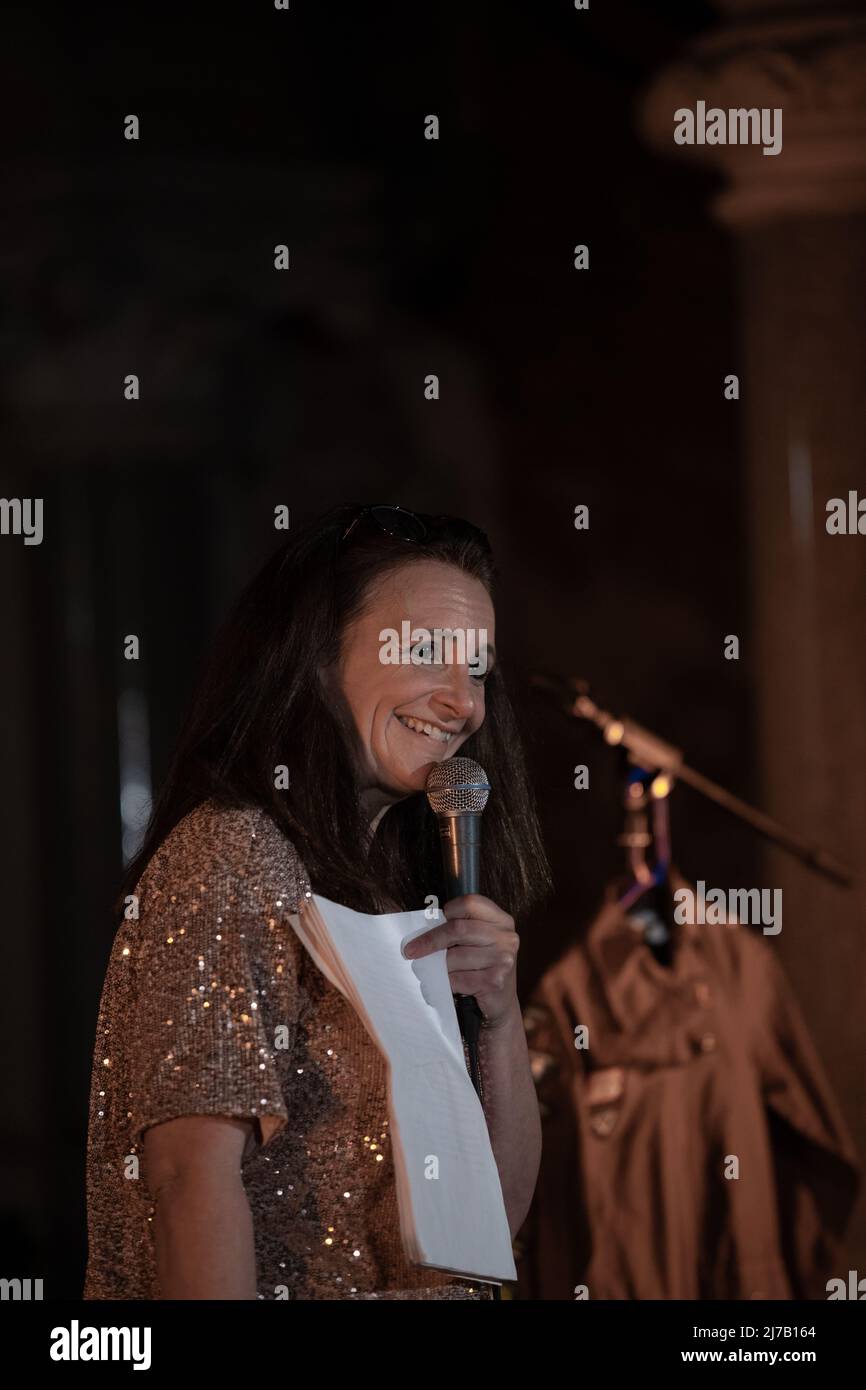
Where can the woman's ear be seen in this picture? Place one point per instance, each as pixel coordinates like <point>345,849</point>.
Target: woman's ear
<point>330,677</point>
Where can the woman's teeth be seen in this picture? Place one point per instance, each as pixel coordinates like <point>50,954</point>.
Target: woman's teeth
<point>421,728</point>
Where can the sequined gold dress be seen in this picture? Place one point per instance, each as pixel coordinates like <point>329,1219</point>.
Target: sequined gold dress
<point>212,1006</point>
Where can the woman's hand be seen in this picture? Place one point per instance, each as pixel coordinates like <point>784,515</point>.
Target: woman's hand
<point>481,944</point>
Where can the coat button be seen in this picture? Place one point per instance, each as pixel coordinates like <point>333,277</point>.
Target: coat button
<point>602,1122</point>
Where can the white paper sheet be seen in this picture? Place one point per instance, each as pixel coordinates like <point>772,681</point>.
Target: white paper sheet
<point>452,1213</point>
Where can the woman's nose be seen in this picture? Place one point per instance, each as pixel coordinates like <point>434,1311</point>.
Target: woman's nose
<point>457,693</point>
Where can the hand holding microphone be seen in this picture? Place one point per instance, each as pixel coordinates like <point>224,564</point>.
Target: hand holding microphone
<point>479,937</point>
<point>482,946</point>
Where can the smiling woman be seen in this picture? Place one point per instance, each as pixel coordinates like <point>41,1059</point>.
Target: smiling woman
<point>230,1078</point>
<point>408,716</point>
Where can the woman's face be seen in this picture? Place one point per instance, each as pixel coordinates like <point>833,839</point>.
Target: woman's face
<point>386,698</point>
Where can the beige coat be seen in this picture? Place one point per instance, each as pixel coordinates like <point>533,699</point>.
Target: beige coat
<point>693,1149</point>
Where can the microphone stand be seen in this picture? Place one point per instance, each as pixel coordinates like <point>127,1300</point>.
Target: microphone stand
<point>653,753</point>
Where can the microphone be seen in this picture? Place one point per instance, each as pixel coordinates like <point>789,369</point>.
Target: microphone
<point>457,792</point>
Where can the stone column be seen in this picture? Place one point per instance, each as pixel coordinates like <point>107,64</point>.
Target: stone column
<point>799,219</point>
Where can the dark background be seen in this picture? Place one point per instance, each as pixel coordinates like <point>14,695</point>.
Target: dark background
<point>306,388</point>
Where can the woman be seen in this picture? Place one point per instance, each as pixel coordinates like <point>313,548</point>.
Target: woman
<point>238,1143</point>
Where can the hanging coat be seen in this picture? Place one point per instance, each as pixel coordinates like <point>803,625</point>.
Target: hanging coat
<point>692,1146</point>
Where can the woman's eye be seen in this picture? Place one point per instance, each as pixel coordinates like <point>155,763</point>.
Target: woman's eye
<point>422,653</point>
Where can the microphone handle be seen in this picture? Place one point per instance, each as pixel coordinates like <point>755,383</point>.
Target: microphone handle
<point>460,837</point>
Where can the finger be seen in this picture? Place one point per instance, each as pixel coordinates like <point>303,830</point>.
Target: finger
<point>476,907</point>
<point>461,958</point>
<point>436,939</point>
<point>477,982</point>
<point>456,933</point>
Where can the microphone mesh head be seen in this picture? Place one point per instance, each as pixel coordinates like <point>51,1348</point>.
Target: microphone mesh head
<point>457,786</point>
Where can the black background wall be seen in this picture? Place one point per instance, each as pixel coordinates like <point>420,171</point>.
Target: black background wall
<point>305,388</point>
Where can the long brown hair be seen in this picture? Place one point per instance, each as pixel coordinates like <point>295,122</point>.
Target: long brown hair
<point>261,703</point>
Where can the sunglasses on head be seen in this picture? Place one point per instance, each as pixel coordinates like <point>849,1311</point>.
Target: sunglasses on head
<point>406,525</point>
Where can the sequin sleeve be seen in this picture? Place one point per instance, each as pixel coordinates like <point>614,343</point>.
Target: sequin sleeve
<point>214,1009</point>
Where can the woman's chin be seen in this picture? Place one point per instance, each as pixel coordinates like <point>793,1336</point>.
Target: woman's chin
<point>408,773</point>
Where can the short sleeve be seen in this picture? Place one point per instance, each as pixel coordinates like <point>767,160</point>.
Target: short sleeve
<point>215,1007</point>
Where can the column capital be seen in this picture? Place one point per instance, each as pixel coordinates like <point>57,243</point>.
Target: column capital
<point>804,59</point>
